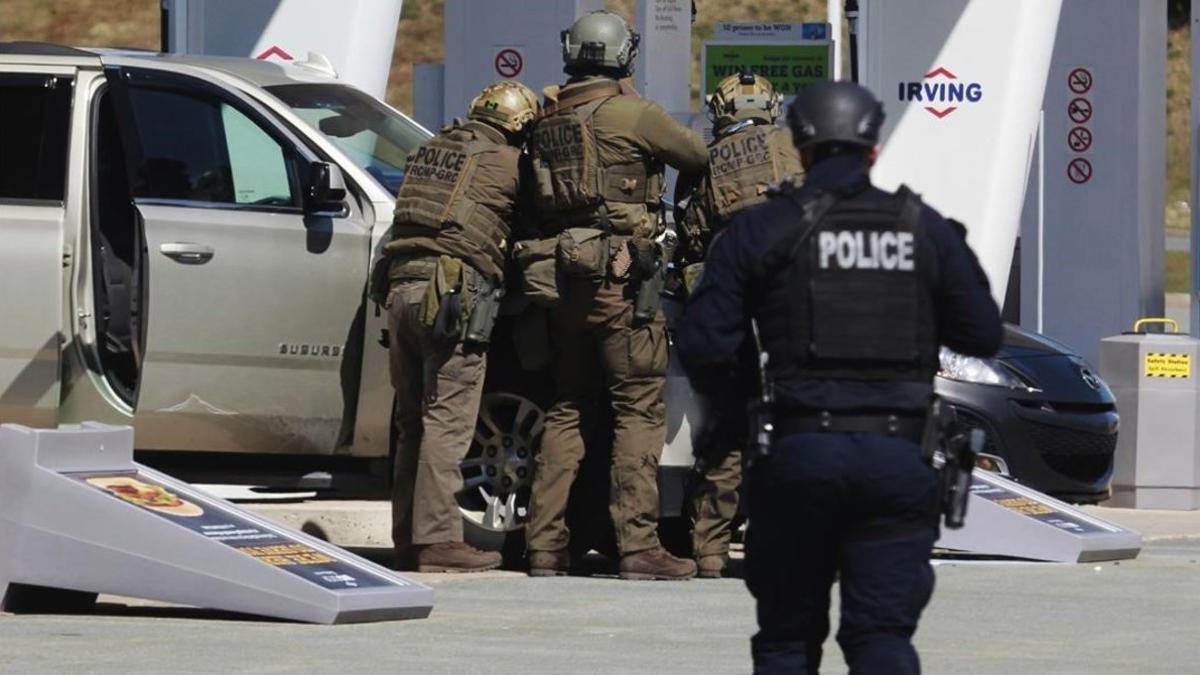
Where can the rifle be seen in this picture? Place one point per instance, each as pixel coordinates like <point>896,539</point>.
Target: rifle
<point>952,448</point>
<point>761,408</point>
<point>717,436</point>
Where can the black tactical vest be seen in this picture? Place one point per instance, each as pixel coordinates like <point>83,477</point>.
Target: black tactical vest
<point>848,297</point>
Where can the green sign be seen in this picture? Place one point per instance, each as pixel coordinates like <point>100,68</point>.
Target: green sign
<point>789,66</point>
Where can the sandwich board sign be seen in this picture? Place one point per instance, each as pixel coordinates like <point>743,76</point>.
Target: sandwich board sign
<point>76,513</point>
<point>1007,519</point>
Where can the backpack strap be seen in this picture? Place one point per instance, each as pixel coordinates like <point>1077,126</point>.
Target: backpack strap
<point>814,204</point>
<point>910,207</point>
<point>586,94</point>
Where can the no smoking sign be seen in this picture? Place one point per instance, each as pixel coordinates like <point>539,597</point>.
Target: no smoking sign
<point>1080,81</point>
<point>509,63</point>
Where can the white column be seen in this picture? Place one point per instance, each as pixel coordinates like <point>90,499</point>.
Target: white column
<point>961,82</point>
<point>835,33</point>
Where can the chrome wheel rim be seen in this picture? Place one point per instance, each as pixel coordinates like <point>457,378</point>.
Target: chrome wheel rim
<point>498,469</point>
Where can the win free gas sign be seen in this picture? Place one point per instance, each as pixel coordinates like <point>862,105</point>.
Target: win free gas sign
<point>941,92</point>
<point>790,66</point>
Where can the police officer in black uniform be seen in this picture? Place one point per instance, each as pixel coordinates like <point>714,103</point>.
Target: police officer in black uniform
<point>853,289</point>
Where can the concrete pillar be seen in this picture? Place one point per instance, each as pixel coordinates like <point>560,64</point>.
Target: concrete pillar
<point>1102,192</point>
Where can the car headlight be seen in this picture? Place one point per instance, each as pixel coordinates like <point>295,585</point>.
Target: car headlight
<point>955,366</point>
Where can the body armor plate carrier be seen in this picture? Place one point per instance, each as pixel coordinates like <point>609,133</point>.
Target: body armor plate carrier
<point>853,291</point>
<point>744,164</point>
<point>567,167</point>
<point>434,191</point>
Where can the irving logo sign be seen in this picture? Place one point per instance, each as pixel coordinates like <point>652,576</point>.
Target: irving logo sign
<point>942,92</point>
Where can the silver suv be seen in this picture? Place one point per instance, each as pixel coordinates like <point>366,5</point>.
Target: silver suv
<point>184,247</point>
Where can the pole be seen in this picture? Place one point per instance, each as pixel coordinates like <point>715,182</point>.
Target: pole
<point>852,25</point>
<point>834,8</point>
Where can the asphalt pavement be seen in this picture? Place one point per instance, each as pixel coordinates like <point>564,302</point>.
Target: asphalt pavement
<point>1136,616</point>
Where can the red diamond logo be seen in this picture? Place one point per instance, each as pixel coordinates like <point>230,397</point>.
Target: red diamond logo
<point>274,52</point>
<point>940,113</point>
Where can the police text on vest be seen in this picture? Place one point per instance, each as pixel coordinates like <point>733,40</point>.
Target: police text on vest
<point>858,250</point>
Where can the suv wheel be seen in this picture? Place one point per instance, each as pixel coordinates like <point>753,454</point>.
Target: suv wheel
<point>498,469</point>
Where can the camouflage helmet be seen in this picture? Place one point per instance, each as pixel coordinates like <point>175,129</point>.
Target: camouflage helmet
<point>742,97</point>
<point>507,104</point>
<point>599,39</point>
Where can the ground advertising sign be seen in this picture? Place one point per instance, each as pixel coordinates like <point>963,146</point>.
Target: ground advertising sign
<point>791,56</point>
<point>77,514</point>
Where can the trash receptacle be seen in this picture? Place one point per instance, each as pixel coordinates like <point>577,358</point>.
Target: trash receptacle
<point>1154,379</point>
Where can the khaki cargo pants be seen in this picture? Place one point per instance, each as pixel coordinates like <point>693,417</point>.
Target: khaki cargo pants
<point>714,506</point>
<point>596,345</point>
<point>438,390</point>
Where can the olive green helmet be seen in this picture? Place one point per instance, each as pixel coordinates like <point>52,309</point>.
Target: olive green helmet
<point>742,97</point>
<point>507,104</point>
<point>599,40</point>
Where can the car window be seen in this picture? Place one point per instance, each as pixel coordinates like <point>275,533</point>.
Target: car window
<point>35,115</point>
<point>198,148</point>
<point>258,165</point>
<point>372,135</point>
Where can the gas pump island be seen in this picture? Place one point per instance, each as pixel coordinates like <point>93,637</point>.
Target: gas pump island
<point>77,514</point>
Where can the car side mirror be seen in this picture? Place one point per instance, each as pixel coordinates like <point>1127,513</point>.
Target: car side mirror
<point>326,189</point>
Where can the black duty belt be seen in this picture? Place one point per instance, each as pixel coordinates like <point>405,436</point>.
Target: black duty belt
<point>908,427</point>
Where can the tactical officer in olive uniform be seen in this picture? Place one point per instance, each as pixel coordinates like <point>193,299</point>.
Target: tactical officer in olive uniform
<point>450,234</point>
<point>748,155</point>
<point>853,290</point>
<point>598,154</point>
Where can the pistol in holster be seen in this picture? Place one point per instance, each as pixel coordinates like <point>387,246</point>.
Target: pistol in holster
<point>485,307</point>
<point>649,269</point>
<point>952,448</point>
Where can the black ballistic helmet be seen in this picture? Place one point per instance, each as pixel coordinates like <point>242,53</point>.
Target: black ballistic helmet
<point>835,112</point>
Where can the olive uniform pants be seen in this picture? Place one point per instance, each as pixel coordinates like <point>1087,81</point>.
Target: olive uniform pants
<point>714,506</point>
<point>438,389</point>
<point>593,326</point>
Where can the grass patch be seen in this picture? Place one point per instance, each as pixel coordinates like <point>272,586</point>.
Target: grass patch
<point>1179,271</point>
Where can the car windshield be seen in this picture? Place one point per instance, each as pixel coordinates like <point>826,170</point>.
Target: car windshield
<point>372,135</point>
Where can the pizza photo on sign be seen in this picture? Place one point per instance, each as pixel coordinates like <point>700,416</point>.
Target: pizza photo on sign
<point>147,496</point>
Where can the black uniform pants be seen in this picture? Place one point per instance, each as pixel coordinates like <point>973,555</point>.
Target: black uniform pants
<point>859,507</point>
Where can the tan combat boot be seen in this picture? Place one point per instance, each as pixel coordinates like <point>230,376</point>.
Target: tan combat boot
<point>549,563</point>
<point>657,564</point>
<point>455,556</point>
<point>711,566</point>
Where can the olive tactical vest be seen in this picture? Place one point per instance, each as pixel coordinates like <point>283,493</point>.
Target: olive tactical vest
<point>848,296</point>
<point>567,167</point>
<point>434,194</point>
<point>744,164</point>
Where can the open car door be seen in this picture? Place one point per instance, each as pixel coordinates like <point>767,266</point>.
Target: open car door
<point>250,282</point>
